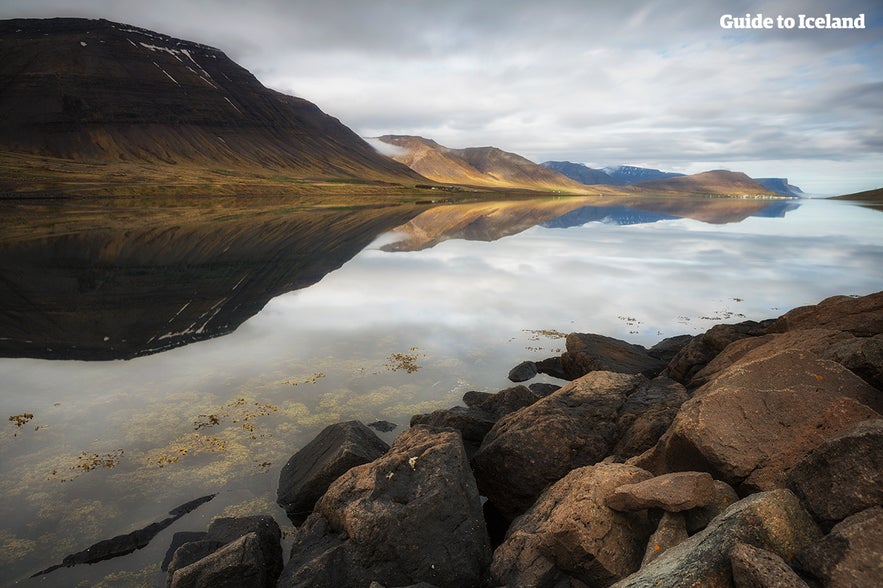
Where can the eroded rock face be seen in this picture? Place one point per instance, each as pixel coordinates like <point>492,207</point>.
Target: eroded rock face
<point>842,476</point>
<point>412,515</point>
<point>773,520</point>
<point>309,472</point>
<point>851,555</point>
<point>588,352</point>
<point>571,534</point>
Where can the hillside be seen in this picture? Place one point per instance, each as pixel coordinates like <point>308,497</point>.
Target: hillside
<point>486,167</point>
<point>96,92</point>
<point>869,198</point>
<point>717,182</point>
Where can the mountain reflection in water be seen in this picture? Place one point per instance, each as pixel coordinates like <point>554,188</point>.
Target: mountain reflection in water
<point>100,293</point>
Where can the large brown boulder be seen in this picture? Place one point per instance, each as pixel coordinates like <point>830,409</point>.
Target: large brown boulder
<point>589,352</point>
<point>571,534</point>
<point>850,556</point>
<point>759,417</point>
<point>671,492</point>
<point>701,349</point>
<point>309,472</point>
<point>862,316</point>
<point>412,515</point>
<point>576,426</point>
<point>842,476</point>
<point>774,521</point>
<point>646,415</point>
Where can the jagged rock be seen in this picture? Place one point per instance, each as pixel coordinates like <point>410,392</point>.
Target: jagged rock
<point>570,533</point>
<point>759,568</point>
<point>671,492</point>
<point>647,415</point>
<point>668,348</point>
<point>266,531</point>
<point>589,352</point>
<point>412,515</point>
<point>758,418</point>
<point>851,555</point>
<point>724,497</point>
<point>671,531</point>
<point>310,471</point>
<point>523,372</point>
<point>842,476</point>
<point>239,564</point>
<point>772,520</point>
<point>701,349</point>
<point>533,447</point>
<point>552,366</point>
<point>861,316</point>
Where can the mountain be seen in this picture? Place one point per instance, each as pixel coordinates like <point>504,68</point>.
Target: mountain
<point>99,93</point>
<point>581,172</point>
<point>717,182</point>
<point>780,186</point>
<point>486,167</point>
<point>629,174</point>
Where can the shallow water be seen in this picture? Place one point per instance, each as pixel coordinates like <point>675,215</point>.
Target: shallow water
<point>223,415</point>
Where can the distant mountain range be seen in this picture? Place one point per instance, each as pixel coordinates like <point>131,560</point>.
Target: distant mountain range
<point>627,175</point>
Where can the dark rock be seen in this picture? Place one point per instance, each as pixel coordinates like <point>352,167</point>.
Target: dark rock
<point>862,355</point>
<point>383,426</point>
<point>239,564</point>
<point>701,349</point>
<point>666,349</point>
<point>189,553</point>
<point>851,555</point>
<point>671,531</point>
<point>311,470</point>
<point>543,389</point>
<point>412,515</point>
<point>671,492</point>
<point>506,401</point>
<point>588,353</point>
<point>758,418</point>
<point>724,497</point>
<point>570,533</point>
<point>862,316</point>
<point>759,568</point>
<point>773,520</point>
<point>474,399</point>
<point>647,414</point>
<point>179,539</point>
<point>552,366</point>
<point>266,531</point>
<point>538,445</point>
<point>523,371</point>
<point>842,476</point>
<point>472,423</point>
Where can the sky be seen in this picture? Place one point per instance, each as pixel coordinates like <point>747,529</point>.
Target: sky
<point>651,83</point>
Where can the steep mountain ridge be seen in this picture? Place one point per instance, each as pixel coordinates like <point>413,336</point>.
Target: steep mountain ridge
<point>99,91</point>
<point>717,182</point>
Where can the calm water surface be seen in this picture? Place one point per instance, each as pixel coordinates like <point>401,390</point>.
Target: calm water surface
<point>114,445</point>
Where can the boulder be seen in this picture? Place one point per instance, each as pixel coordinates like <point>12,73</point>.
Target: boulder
<point>538,445</point>
<point>310,471</point>
<point>861,316</point>
<point>570,533</point>
<point>265,529</point>
<point>543,389</point>
<point>588,353</point>
<point>667,349</point>
<point>188,553</point>
<point>754,421</point>
<point>552,366</point>
<point>842,476</point>
<point>759,568</point>
<point>647,415</point>
<point>472,423</point>
<point>412,515</point>
<point>671,492</point>
<point>505,401</point>
<point>701,349</point>
<point>862,355</point>
<point>179,539</point>
<point>671,531</point>
<point>239,564</point>
<point>850,556</point>
<point>699,518</point>
<point>523,372</point>
<point>772,520</point>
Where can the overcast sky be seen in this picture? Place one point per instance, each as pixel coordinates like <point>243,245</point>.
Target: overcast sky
<point>654,83</point>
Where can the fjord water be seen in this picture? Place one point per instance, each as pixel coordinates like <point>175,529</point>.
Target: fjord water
<point>407,325</point>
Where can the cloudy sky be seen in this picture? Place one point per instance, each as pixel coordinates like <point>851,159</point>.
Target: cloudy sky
<point>656,83</point>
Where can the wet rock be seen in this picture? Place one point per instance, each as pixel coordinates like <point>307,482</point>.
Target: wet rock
<point>668,348</point>
<point>842,476</point>
<point>310,471</point>
<point>189,553</point>
<point>588,353</point>
<point>671,492</point>
<point>552,366</point>
<point>671,531</point>
<point>179,539</point>
<point>862,316</point>
<point>267,533</point>
<point>647,415</point>
<point>701,349</point>
<point>538,445</point>
<point>724,497</point>
<point>570,533</point>
<point>773,520</point>
<point>412,515</point>
<point>523,372</point>
<point>239,564</point>
<point>851,555</point>
<point>759,568</point>
<point>757,419</point>
<point>383,426</point>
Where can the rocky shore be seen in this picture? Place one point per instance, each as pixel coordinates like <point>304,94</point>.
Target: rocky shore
<point>747,456</point>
